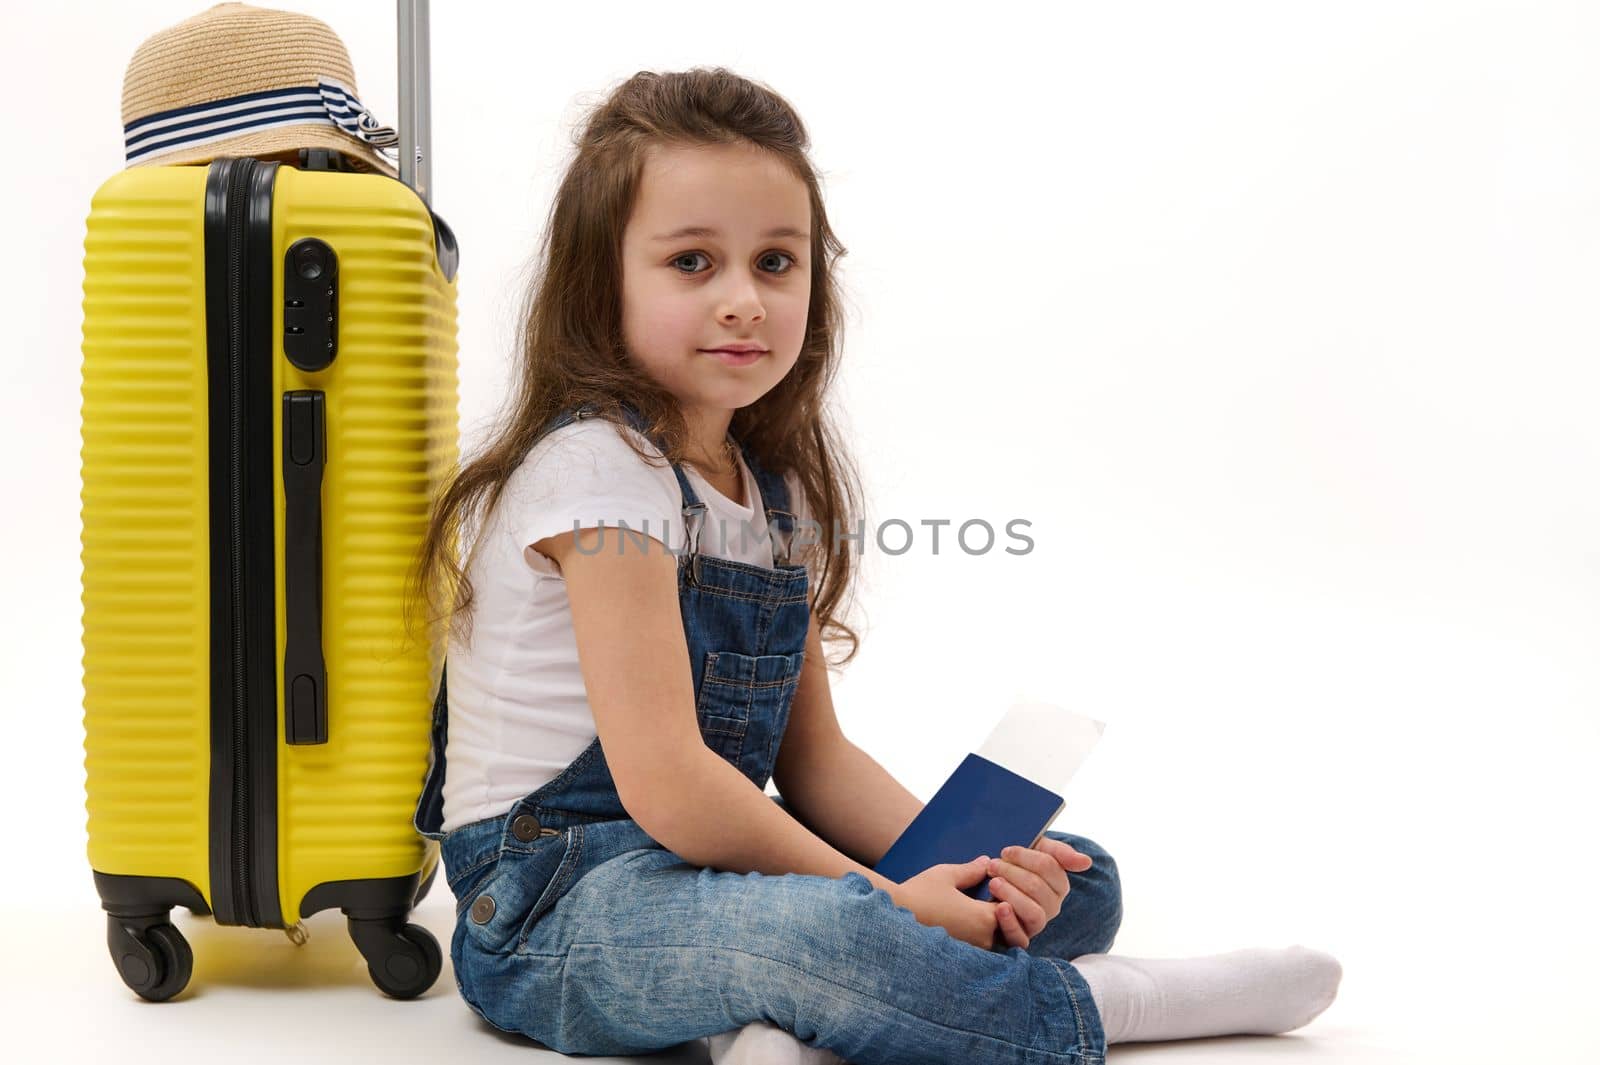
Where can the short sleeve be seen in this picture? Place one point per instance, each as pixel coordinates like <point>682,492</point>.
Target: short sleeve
<point>585,474</point>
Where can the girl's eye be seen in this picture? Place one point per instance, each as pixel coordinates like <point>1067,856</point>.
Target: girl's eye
<point>783,255</point>
<point>690,255</point>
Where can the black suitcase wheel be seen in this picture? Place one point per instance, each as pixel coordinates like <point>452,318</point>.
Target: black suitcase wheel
<point>403,959</point>
<point>151,955</point>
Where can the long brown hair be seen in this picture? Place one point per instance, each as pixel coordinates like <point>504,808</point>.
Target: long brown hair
<point>571,350</point>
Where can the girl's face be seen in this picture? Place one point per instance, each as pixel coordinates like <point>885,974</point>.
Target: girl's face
<point>743,279</point>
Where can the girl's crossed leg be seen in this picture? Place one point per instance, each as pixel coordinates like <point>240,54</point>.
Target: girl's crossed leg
<point>645,951</point>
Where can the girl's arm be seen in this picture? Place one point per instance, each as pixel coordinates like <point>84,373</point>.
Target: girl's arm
<point>834,787</point>
<point>634,658</point>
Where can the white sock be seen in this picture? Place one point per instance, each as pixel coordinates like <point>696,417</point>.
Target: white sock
<point>764,1043</point>
<point>1258,991</point>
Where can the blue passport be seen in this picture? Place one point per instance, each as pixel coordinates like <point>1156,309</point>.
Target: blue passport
<point>982,809</point>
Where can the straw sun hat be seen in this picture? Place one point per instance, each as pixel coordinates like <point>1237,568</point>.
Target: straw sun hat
<point>242,80</point>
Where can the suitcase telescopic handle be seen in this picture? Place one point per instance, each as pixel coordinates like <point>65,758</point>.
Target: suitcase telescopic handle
<point>416,124</point>
<point>305,676</point>
<point>416,128</point>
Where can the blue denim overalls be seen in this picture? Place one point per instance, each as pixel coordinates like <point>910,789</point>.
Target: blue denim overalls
<point>577,929</point>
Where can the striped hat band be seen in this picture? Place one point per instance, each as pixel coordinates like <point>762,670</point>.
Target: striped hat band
<point>328,102</point>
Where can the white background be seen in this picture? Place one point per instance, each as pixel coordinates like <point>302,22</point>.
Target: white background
<point>1277,322</point>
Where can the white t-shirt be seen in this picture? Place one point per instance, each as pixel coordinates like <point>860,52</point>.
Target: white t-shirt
<point>519,713</point>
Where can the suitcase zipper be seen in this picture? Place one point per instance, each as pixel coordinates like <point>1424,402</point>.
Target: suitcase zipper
<point>238,204</point>
<point>244,719</point>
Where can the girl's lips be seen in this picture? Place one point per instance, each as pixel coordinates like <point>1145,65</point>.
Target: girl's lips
<point>733,358</point>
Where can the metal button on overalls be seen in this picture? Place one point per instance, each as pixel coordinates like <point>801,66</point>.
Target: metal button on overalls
<point>483,909</point>
<point>526,827</point>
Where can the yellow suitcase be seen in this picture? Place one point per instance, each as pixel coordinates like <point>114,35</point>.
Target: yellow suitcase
<point>269,407</point>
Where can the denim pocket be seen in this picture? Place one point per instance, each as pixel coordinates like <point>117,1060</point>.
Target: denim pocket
<point>523,884</point>
<point>744,704</point>
<point>464,884</point>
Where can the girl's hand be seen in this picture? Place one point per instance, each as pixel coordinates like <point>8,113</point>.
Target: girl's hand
<point>1029,884</point>
<point>938,897</point>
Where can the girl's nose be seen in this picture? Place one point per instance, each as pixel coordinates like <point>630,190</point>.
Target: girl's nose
<point>743,302</point>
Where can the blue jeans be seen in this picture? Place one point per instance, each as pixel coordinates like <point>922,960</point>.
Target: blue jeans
<point>643,951</point>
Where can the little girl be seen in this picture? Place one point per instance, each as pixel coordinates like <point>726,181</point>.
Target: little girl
<point>637,650</point>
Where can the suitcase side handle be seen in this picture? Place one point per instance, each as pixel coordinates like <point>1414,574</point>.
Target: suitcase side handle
<point>305,677</point>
